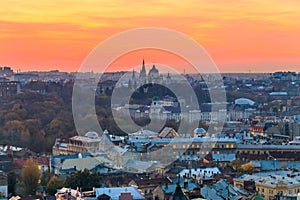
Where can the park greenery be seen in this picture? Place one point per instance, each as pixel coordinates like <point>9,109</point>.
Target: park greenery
<point>34,120</point>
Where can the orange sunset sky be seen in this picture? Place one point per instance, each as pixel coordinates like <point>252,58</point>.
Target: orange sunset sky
<point>239,35</point>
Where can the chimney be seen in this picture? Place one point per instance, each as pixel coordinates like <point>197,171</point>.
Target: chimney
<point>185,184</point>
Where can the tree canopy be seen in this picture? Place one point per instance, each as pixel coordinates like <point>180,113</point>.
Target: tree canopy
<point>30,176</point>
<point>85,180</point>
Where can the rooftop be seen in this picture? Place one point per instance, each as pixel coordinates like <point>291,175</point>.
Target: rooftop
<point>115,192</point>
<point>273,178</point>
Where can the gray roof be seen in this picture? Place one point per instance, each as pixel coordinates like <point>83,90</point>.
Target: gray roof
<point>272,178</point>
<point>84,163</point>
<point>114,193</point>
<point>208,172</point>
<point>222,190</point>
<point>264,146</point>
<point>168,189</point>
<point>139,165</point>
<point>187,140</point>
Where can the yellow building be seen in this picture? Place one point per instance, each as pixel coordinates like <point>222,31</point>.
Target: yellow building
<point>268,184</point>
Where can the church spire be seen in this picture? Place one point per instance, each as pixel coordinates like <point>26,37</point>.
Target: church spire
<point>133,74</point>
<point>143,70</point>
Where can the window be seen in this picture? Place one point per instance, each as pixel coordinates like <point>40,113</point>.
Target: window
<point>270,191</point>
<point>227,145</point>
<point>174,146</point>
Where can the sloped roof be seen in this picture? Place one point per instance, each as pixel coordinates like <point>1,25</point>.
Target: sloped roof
<point>178,194</point>
<point>84,163</point>
<point>155,182</point>
<point>168,132</point>
<point>141,166</point>
<point>115,192</point>
<point>221,190</point>
<point>168,189</point>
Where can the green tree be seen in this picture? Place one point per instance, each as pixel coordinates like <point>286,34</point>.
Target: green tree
<point>45,177</point>
<point>30,176</point>
<point>11,182</point>
<point>54,184</point>
<point>84,179</point>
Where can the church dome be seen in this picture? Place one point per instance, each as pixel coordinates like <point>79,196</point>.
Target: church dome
<point>91,134</point>
<point>153,72</point>
<point>199,131</point>
<point>244,101</point>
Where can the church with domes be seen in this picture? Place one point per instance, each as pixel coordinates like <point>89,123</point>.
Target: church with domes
<point>153,72</point>
<point>153,76</point>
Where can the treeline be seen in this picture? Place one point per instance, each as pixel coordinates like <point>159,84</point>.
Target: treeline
<point>34,120</point>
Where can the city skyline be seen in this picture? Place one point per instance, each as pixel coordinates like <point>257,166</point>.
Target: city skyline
<point>239,36</point>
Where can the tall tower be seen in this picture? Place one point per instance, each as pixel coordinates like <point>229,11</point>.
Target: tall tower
<point>143,70</point>
<point>133,74</point>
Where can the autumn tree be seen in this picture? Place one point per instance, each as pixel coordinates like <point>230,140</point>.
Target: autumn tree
<point>236,164</point>
<point>30,176</point>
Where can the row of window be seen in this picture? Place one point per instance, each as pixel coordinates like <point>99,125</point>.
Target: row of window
<point>178,146</point>
<point>262,190</point>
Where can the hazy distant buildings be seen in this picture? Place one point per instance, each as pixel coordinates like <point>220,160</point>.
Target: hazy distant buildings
<point>152,77</point>
<point>6,72</point>
<point>9,88</point>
